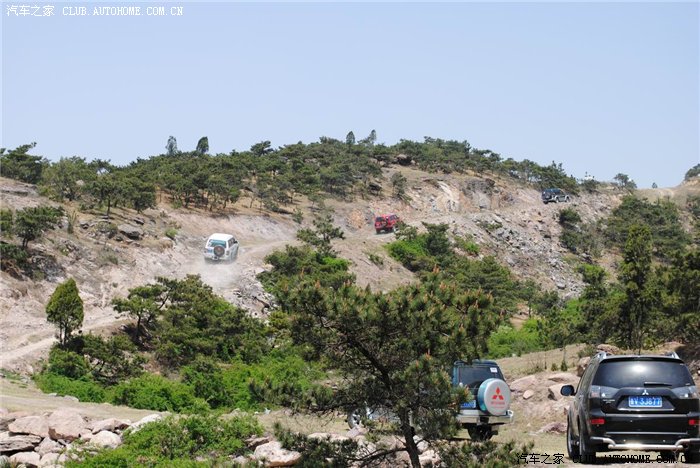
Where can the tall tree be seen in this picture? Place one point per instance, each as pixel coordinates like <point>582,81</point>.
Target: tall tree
<point>19,164</point>
<point>350,138</point>
<point>171,146</point>
<point>636,279</point>
<point>65,310</point>
<point>392,350</point>
<point>321,237</point>
<point>202,146</point>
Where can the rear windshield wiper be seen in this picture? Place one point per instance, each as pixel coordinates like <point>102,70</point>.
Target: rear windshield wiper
<point>657,384</point>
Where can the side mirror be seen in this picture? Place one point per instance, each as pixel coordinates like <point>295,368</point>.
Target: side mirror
<point>567,390</point>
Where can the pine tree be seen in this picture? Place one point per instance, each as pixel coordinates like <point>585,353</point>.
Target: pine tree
<point>65,310</point>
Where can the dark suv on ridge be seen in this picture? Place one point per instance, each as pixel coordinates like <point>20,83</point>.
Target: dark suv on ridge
<point>634,402</point>
<point>554,195</point>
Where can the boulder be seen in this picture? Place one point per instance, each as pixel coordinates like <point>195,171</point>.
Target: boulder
<point>110,424</point>
<point>19,443</point>
<point>145,420</point>
<point>273,454</point>
<point>106,439</point>
<point>563,377</point>
<point>50,459</point>
<point>34,425</point>
<point>240,461</point>
<point>132,232</point>
<point>48,446</point>
<point>429,458</point>
<point>29,459</point>
<point>523,383</point>
<point>528,394</point>
<point>253,442</point>
<point>65,424</point>
<point>357,431</point>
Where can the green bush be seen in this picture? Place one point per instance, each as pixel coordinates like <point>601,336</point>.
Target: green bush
<point>171,233</point>
<point>67,363</point>
<point>506,340</point>
<point>83,389</point>
<point>159,394</point>
<point>177,443</point>
<point>411,254</point>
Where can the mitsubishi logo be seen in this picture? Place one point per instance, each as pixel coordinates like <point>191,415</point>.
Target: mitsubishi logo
<point>645,392</point>
<point>497,395</point>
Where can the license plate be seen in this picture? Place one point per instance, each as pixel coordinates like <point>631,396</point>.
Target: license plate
<point>645,402</point>
<point>469,405</point>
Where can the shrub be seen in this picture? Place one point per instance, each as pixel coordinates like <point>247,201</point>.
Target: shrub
<point>171,233</point>
<point>177,443</point>
<point>67,363</point>
<point>83,389</point>
<point>159,394</point>
<point>506,340</point>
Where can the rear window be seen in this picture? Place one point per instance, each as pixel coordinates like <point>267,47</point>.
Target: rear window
<point>634,373</point>
<point>214,243</point>
<point>379,219</point>
<point>473,376</point>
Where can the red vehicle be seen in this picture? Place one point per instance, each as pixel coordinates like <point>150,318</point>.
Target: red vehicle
<point>386,223</point>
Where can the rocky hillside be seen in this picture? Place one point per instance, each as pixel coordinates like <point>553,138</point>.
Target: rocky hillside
<point>107,257</point>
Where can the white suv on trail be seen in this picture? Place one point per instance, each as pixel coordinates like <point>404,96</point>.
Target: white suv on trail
<point>221,247</point>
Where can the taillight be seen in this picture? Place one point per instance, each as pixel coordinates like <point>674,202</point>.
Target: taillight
<point>597,421</point>
<point>595,391</point>
<point>693,422</point>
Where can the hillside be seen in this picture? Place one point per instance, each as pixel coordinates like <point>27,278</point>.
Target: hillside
<point>505,219</point>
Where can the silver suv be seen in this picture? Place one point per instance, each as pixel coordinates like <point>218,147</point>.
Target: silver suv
<point>221,247</point>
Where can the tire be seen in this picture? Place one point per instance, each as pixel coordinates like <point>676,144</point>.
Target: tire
<point>379,231</point>
<point>480,433</point>
<point>587,455</point>
<point>692,457</point>
<point>556,199</point>
<point>571,444</point>
<point>219,251</point>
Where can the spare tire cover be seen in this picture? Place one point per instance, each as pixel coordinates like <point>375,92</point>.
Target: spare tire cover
<point>494,397</point>
<point>219,251</point>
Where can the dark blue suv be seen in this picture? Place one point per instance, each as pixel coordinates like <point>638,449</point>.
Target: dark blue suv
<point>634,402</point>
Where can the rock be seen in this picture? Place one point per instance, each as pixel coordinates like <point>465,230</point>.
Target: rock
<point>528,394</point>
<point>357,431</point>
<point>48,446</point>
<point>145,420</point>
<point>18,443</point>
<point>274,455</point>
<point>563,377</point>
<point>422,445</point>
<point>86,435</point>
<point>582,364</point>
<point>253,442</point>
<point>560,285</point>
<point>429,458</point>
<point>555,391</point>
<point>555,427</point>
<point>71,398</point>
<point>132,232</point>
<point>110,424</point>
<point>29,459</point>
<point>50,459</point>
<point>106,439</point>
<point>34,425</point>
<point>523,383</point>
<point>65,424</point>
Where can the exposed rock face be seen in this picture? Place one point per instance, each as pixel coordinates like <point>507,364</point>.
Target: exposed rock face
<point>528,394</point>
<point>272,454</point>
<point>523,383</point>
<point>582,364</point>
<point>34,425</point>
<point>555,391</point>
<point>66,425</point>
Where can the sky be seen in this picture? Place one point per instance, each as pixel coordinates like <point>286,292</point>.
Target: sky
<point>603,88</point>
